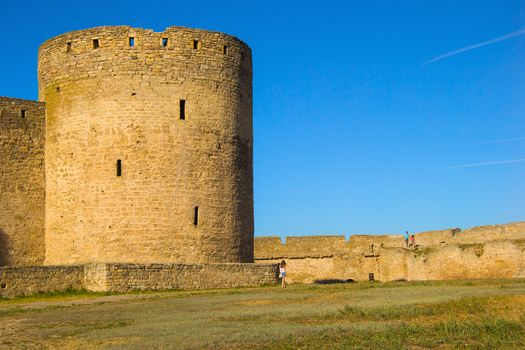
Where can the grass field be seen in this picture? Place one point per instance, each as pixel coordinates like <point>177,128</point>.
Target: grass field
<point>401,315</point>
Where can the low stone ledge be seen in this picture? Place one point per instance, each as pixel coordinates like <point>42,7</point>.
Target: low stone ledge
<point>128,277</point>
<point>15,281</point>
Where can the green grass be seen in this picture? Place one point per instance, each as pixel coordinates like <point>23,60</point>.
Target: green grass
<point>464,306</point>
<point>52,295</point>
<point>399,315</point>
<point>451,334</point>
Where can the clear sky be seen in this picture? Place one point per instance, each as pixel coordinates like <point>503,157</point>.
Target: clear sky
<point>353,132</point>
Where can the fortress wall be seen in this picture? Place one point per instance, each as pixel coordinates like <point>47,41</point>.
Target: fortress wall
<point>491,259</point>
<point>441,237</point>
<point>16,281</point>
<point>480,234</point>
<point>269,247</point>
<point>481,252</point>
<point>118,102</point>
<point>432,238</point>
<point>361,243</point>
<point>316,270</point>
<point>298,247</point>
<point>22,183</point>
<point>386,264</point>
<point>129,277</point>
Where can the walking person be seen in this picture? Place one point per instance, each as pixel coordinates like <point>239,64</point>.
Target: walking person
<point>412,241</point>
<point>405,237</point>
<point>282,273</point>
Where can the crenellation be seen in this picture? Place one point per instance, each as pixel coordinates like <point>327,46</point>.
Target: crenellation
<point>495,251</point>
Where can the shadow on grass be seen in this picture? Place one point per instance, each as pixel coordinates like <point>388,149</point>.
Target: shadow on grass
<point>333,281</point>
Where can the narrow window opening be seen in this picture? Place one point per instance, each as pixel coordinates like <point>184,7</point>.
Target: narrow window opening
<point>195,44</point>
<point>196,216</point>
<point>225,49</point>
<point>3,285</point>
<point>164,42</point>
<point>371,277</point>
<point>131,41</point>
<point>58,88</point>
<point>182,109</point>
<point>119,167</point>
<point>68,47</point>
<point>23,113</point>
<point>96,44</point>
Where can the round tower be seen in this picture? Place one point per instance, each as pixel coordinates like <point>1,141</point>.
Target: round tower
<point>148,146</point>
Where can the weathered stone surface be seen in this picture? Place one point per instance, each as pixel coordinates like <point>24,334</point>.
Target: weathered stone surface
<point>35,279</point>
<point>481,252</point>
<point>122,102</point>
<point>22,192</point>
<point>129,277</point>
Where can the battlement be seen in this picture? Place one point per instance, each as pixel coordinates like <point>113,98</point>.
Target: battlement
<point>127,37</point>
<point>268,248</point>
<point>173,57</point>
<point>496,251</point>
<point>296,247</point>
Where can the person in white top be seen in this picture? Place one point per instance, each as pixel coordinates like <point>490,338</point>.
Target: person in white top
<point>282,273</point>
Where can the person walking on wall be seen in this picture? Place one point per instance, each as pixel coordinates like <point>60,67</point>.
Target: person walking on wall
<point>412,241</point>
<point>282,273</point>
<point>405,237</point>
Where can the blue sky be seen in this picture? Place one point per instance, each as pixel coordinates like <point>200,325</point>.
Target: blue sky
<point>353,133</point>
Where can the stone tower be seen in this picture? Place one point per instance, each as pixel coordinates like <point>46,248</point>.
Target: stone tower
<point>148,153</point>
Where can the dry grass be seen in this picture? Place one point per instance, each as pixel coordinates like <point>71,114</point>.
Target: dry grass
<point>402,315</point>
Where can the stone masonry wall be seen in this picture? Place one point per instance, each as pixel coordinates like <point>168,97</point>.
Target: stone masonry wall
<point>128,277</point>
<point>185,191</point>
<point>16,281</point>
<point>481,252</point>
<point>22,182</point>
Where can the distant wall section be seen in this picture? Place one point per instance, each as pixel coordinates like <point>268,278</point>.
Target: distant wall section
<point>22,182</point>
<point>481,252</point>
